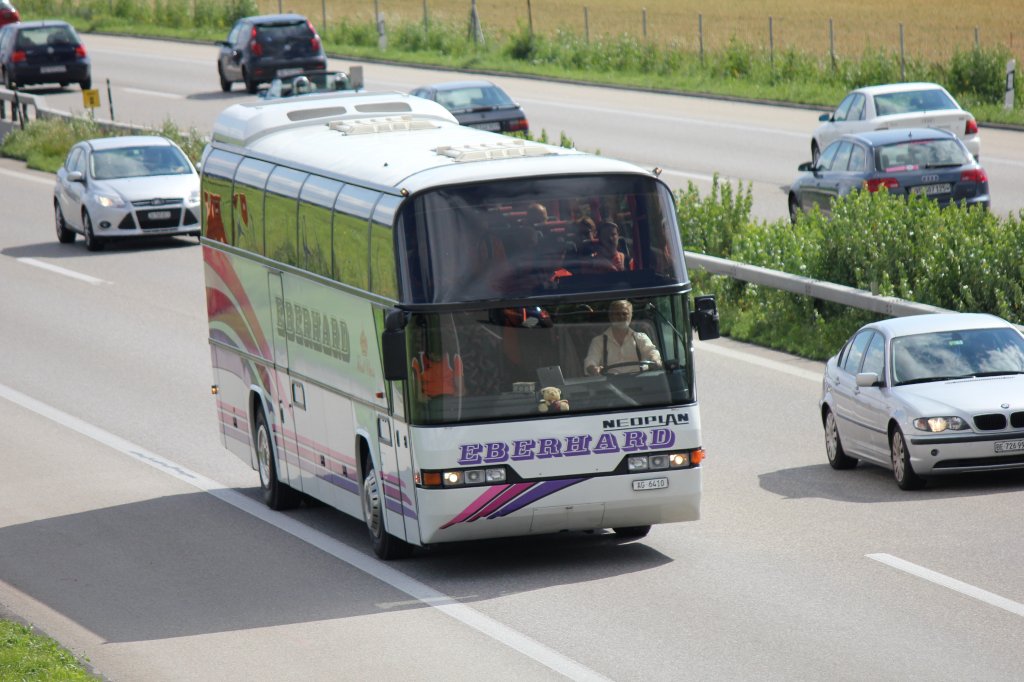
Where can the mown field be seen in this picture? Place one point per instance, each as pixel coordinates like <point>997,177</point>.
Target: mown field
<point>932,30</point>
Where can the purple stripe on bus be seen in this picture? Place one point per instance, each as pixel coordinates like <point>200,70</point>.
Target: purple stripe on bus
<point>513,492</point>
<point>541,490</point>
<point>479,502</point>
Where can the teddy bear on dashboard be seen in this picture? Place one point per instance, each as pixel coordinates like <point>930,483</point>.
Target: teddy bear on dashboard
<point>551,400</point>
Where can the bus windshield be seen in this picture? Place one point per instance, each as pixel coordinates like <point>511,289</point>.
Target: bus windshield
<point>539,236</point>
<point>492,364</point>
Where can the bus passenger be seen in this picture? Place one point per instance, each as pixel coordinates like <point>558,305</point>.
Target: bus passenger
<point>620,345</point>
<point>607,256</point>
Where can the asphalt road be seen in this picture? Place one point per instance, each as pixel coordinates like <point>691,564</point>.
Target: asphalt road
<point>691,138</point>
<point>128,533</point>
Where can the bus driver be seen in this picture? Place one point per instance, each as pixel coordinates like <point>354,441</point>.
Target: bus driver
<point>621,350</point>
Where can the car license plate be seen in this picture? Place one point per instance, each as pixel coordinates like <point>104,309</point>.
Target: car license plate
<point>284,73</point>
<point>489,125</point>
<point>940,188</point>
<point>159,215</point>
<point>650,484</point>
<point>1010,446</point>
<point>53,69</point>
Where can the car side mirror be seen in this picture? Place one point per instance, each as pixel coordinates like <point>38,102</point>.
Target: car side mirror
<point>76,176</point>
<point>825,117</point>
<point>704,317</point>
<point>865,379</point>
<point>806,166</point>
<point>393,346</point>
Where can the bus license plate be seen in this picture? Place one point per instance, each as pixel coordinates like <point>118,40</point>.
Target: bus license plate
<point>941,188</point>
<point>159,215</point>
<point>650,484</point>
<point>1010,446</point>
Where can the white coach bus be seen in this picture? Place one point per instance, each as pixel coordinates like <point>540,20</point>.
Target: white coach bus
<point>409,320</point>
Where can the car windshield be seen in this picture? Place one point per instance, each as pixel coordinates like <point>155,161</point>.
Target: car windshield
<point>133,162</point>
<point>492,364</point>
<point>914,100</point>
<point>915,154</point>
<point>956,354</point>
<point>476,97</point>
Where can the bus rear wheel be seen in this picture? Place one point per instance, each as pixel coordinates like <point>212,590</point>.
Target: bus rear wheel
<point>385,545</point>
<point>631,532</point>
<point>277,495</point>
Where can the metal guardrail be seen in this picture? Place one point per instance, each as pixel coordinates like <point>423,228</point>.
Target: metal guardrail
<point>827,291</point>
<point>17,106</point>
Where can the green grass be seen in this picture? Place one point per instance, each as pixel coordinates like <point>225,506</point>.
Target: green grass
<point>25,655</point>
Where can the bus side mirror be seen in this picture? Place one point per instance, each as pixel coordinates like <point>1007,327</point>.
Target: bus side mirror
<point>393,346</point>
<point>704,317</point>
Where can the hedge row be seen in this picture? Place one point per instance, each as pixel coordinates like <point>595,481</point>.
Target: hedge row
<point>956,258</point>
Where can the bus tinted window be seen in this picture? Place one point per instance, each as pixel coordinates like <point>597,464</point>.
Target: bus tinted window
<point>351,235</point>
<point>315,208</point>
<point>382,247</point>
<point>250,179</point>
<point>218,169</point>
<point>531,237</point>
<point>281,205</point>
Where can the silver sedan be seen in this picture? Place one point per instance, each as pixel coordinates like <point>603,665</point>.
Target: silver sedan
<point>927,395</point>
<point>119,187</point>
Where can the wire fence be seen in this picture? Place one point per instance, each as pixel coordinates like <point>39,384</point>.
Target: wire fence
<point>926,34</point>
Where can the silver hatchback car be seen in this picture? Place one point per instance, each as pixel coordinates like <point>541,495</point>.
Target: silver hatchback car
<point>118,187</point>
<point>926,395</point>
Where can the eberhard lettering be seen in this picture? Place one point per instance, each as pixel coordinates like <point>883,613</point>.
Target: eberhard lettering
<point>312,329</point>
<point>568,446</point>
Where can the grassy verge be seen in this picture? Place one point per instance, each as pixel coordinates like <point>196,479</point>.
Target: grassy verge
<point>25,655</point>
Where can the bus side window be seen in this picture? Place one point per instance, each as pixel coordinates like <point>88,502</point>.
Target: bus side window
<point>352,235</point>
<point>315,209</point>
<point>383,277</point>
<point>282,203</point>
<point>247,202</point>
<point>218,169</point>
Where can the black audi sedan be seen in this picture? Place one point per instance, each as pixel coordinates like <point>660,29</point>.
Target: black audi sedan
<point>903,161</point>
<point>479,104</point>
<point>261,48</point>
<point>47,51</point>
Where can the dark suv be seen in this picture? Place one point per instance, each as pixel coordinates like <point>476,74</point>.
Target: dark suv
<point>259,49</point>
<point>49,51</point>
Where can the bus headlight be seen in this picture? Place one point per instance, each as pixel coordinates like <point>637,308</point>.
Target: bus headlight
<point>661,461</point>
<point>457,478</point>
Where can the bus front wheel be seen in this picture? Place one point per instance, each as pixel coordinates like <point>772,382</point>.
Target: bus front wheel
<point>277,495</point>
<point>385,545</point>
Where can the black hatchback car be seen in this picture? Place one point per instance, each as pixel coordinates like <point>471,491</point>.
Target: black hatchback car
<point>902,161</point>
<point>48,51</point>
<point>479,104</point>
<point>261,48</point>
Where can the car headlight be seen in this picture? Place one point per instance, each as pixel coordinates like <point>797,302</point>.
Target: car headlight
<point>939,424</point>
<point>109,200</point>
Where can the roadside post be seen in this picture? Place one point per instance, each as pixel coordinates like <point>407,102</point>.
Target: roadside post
<point>1011,66</point>
<point>110,100</point>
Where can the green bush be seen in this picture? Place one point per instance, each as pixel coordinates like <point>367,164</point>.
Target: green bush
<point>979,74</point>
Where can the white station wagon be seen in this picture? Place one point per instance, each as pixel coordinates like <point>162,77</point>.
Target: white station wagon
<point>898,105</point>
<point>926,395</point>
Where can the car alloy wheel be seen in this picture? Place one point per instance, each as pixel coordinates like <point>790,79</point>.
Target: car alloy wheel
<point>902,470</point>
<point>92,242</point>
<point>64,235</point>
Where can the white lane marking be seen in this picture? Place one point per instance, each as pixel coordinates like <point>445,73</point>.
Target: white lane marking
<point>369,565</point>
<point>153,93</point>
<point>1013,607</point>
<point>62,271</point>
<point>27,176</point>
<point>762,362</point>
